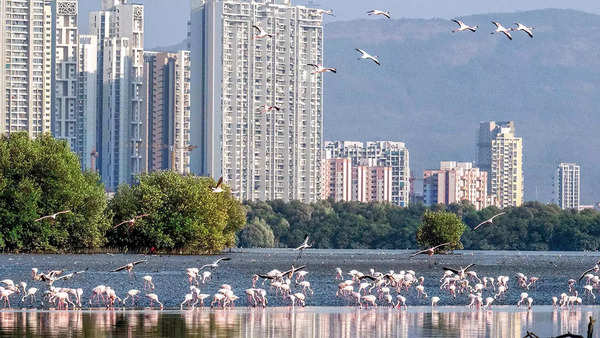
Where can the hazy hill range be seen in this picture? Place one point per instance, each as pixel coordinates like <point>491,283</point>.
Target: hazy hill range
<point>434,87</point>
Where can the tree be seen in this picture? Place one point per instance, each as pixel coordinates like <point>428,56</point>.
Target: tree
<point>257,234</point>
<point>439,227</point>
<point>184,215</point>
<point>39,177</point>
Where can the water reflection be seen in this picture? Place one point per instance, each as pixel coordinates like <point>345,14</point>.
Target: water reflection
<point>309,322</point>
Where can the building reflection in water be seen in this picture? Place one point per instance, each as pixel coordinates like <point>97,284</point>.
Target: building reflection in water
<point>309,322</point>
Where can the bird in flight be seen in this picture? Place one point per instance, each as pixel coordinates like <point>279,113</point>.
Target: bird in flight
<point>132,221</point>
<point>430,251</point>
<point>490,221</point>
<point>215,264</point>
<point>303,246</point>
<point>366,56</point>
<point>523,28</point>
<point>261,33</point>
<point>270,108</point>
<point>276,275</point>
<point>502,29</point>
<point>463,27</point>
<point>51,278</point>
<point>129,266</point>
<point>595,268</point>
<point>217,188</point>
<point>321,69</point>
<point>387,14</point>
<point>53,216</point>
<point>460,272</point>
<point>325,11</point>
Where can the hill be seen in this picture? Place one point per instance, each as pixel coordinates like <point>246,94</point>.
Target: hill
<point>434,87</point>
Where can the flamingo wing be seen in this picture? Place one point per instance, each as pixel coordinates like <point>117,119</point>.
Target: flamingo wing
<point>139,262</point>
<point>120,268</point>
<point>585,273</point>
<point>219,182</point>
<point>469,266</point>
<point>222,259</point>
<point>441,245</point>
<point>507,33</point>
<point>458,22</point>
<point>42,218</point>
<point>419,252</point>
<point>448,269</point>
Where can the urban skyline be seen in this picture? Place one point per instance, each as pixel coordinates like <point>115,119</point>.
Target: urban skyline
<point>121,96</point>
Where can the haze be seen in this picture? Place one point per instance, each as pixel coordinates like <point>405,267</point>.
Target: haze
<point>169,17</point>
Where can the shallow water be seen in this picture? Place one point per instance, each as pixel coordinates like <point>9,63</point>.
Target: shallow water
<point>168,272</point>
<point>307,322</point>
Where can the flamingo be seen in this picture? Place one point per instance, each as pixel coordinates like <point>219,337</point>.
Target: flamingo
<point>490,220</point>
<point>148,284</point>
<point>366,56</point>
<point>387,14</point>
<point>505,31</point>
<point>53,216</point>
<point>463,27</point>
<point>303,246</point>
<point>189,297</point>
<point>132,221</point>
<point>31,294</point>
<point>133,293</point>
<point>430,251</point>
<point>325,11</point>
<point>154,298</point>
<point>217,188</point>
<point>523,28</point>
<point>369,300</point>
<point>321,69</point>
<point>434,300</point>
<point>129,266</point>
<point>261,33</point>
<point>215,264</point>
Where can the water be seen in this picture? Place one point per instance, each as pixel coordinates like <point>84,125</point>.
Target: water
<point>168,272</point>
<point>301,323</point>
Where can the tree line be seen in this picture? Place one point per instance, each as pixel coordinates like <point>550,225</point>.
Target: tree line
<point>353,225</point>
<point>177,213</point>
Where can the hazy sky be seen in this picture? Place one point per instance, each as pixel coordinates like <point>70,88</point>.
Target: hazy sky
<point>166,20</point>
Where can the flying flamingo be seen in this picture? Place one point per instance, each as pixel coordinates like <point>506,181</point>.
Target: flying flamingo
<point>261,33</point>
<point>217,188</point>
<point>53,216</point>
<point>303,246</point>
<point>490,221</point>
<point>366,56</point>
<point>463,27</point>
<point>132,221</point>
<point>523,28</point>
<point>321,69</point>
<point>215,264</point>
<point>430,251</point>
<point>502,29</point>
<point>387,14</point>
<point>129,267</point>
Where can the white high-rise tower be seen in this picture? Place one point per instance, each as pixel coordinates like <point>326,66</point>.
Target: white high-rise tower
<point>262,153</point>
<point>119,28</point>
<point>26,73</point>
<point>567,185</point>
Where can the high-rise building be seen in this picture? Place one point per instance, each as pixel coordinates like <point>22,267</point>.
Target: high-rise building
<point>166,112</point>
<point>500,153</point>
<point>87,84</point>
<point>567,188</point>
<point>337,179</point>
<point>261,151</point>
<point>455,182</point>
<point>119,27</point>
<point>372,184</point>
<point>26,39</point>
<point>65,72</point>
<point>378,154</point>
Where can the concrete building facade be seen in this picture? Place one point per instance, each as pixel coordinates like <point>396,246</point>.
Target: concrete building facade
<point>119,27</point>
<point>261,152</point>
<point>85,145</point>
<point>65,71</point>
<point>378,154</point>
<point>500,153</point>
<point>455,182</point>
<point>337,179</point>
<point>567,186</point>
<point>166,112</point>
<point>26,42</point>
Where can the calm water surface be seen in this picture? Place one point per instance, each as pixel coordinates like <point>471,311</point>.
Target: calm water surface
<point>307,322</point>
<point>326,315</point>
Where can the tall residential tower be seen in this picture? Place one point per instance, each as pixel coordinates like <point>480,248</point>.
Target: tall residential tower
<point>567,185</point>
<point>119,28</point>
<point>262,152</point>
<point>26,38</point>
<point>500,153</point>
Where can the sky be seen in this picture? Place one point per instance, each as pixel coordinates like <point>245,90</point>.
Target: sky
<point>166,20</point>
